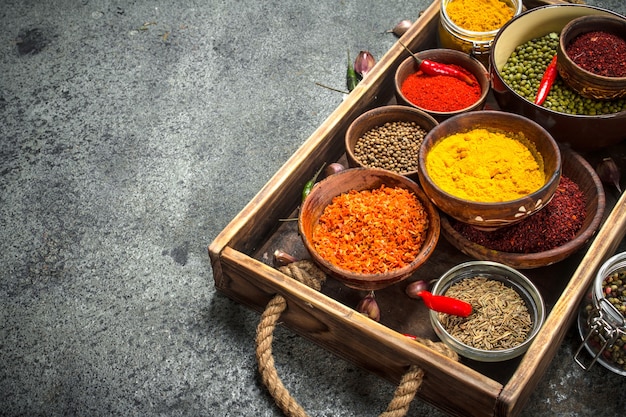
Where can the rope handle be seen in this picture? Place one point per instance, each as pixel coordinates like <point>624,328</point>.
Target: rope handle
<point>307,273</point>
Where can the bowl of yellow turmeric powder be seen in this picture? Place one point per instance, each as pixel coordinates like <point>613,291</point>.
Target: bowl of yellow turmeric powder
<point>368,227</point>
<point>489,168</point>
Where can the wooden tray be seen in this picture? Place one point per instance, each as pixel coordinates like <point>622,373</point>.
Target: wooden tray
<point>241,258</point>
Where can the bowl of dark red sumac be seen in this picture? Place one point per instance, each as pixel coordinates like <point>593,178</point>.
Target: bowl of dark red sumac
<point>522,54</point>
<point>591,58</point>
<point>548,236</point>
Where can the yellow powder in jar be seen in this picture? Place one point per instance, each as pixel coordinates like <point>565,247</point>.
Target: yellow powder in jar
<point>479,15</point>
<point>485,166</point>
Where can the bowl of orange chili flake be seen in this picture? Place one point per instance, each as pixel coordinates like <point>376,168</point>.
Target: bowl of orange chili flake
<point>368,228</point>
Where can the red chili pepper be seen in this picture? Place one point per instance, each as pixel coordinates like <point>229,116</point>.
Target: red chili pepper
<point>437,68</point>
<point>546,82</point>
<point>447,305</point>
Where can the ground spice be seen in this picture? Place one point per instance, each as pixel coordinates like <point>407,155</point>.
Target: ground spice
<point>599,52</point>
<point>442,93</point>
<point>479,15</point>
<point>554,225</point>
<point>371,231</point>
<point>485,166</point>
<point>500,318</point>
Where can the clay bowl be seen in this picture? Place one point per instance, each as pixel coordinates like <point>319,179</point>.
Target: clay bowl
<point>576,168</point>
<point>364,179</point>
<point>581,132</point>
<point>584,82</point>
<point>378,117</point>
<point>491,215</point>
<point>444,56</point>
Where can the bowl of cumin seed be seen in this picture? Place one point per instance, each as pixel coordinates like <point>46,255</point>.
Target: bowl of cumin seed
<point>507,311</point>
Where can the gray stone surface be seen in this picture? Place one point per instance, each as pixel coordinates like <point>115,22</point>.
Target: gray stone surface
<point>132,133</point>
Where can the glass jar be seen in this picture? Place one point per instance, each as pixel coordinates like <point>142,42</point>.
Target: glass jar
<point>601,322</point>
<point>477,44</point>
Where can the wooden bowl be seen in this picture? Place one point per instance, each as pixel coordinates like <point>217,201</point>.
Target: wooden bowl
<point>576,168</point>
<point>584,82</point>
<point>492,215</point>
<point>581,132</point>
<point>364,179</point>
<point>444,56</point>
<point>378,117</point>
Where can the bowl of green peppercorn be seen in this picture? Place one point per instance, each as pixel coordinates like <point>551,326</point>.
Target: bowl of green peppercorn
<point>388,137</point>
<point>521,54</point>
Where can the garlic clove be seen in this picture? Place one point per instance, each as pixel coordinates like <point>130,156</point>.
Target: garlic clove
<point>364,63</point>
<point>333,168</point>
<point>369,307</point>
<point>401,28</point>
<point>609,172</point>
<point>415,288</point>
<point>282,258</point>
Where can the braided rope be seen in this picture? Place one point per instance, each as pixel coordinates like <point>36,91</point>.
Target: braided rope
<point>307,273</point>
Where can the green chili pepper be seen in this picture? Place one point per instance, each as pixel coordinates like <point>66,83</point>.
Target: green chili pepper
<point>352,77</point>
<point>309,185</point>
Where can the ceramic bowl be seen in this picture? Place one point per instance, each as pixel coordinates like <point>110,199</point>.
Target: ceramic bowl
<point>576,168</point>
<point>509,277</point>
<point>491,215</point>
<point>444,56</point>
<point>378,117</point>
<point>584,82</point>
<point>359,179</point>
<point>581,132</point>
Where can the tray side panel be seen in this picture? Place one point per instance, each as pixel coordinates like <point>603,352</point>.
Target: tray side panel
<point>540,354</point>
<point>359,340</point>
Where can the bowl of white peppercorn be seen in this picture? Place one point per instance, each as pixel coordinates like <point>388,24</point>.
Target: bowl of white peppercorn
<point>388,137</point>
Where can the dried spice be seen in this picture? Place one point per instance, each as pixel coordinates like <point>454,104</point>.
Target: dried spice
<point>500,318</point>
<point>599,52</point>
<point>393,146</point>
<point>371,231</point>
<point>485,166</point>
<point>441,93</point>
<point>554,225</point>
<point>479,15</point>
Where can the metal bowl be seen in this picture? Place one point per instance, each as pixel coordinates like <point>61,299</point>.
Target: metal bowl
<point>509,277</point>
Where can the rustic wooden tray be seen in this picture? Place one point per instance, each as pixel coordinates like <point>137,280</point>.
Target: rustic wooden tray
<point>242,262</point>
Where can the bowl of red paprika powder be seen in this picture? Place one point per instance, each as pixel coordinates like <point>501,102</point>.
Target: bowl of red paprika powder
<point>565,225</point>
<point>442,95</point>
<point>368,228</point>
<point>591,58</point>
